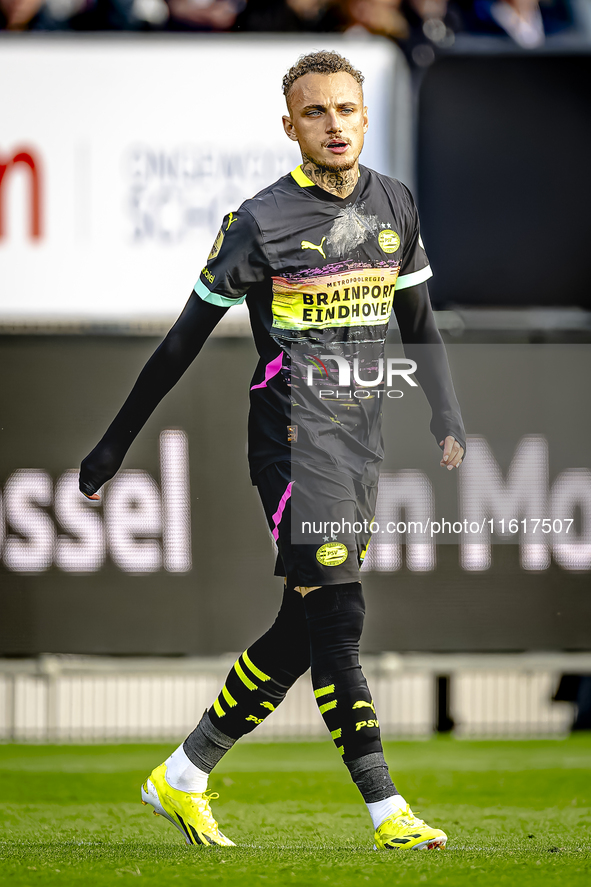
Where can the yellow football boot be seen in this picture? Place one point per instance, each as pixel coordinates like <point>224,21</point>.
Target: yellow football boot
<point>404,831</point>
<point>188,811</point>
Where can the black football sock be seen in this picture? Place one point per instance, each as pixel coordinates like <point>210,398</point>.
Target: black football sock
<point>335,615</point>
<point>255,686</point>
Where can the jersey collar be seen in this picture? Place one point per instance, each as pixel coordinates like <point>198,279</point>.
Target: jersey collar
<point>301,178</point>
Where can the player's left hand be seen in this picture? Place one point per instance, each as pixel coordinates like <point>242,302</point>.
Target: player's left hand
<point>453,453</point>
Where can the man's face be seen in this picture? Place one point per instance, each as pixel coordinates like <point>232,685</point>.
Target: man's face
<point>327,118</point>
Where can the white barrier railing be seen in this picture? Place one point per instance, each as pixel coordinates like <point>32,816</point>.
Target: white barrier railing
<point>92,699</point>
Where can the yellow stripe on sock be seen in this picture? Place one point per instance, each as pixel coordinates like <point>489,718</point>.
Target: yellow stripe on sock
<point>327,706</point>
<point>218,709</point>
<point>336,734</point>
<point>228,697</point>
<point>244,678</point>
<point>324,691</point>
<point>341,749</point>
<point>256,671</point>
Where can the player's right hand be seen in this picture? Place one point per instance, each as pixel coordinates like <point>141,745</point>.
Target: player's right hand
<point>97,468</point>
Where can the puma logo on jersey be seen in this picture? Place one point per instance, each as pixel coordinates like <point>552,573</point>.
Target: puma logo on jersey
<point>363,704</point>
<point>231,218</point>
<point>305,244</point>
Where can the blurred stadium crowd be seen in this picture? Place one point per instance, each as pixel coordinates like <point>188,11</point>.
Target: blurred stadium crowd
<point>422,28</point>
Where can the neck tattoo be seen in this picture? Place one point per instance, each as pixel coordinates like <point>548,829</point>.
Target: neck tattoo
<point>339,182</point>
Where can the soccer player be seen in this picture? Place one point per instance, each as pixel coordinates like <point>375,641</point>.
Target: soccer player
<point>322,257</point>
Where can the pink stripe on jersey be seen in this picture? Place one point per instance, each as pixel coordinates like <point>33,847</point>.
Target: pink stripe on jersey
<point>280,509</point>
<point>271,370</point>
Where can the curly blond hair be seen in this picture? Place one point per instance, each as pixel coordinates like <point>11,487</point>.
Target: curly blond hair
<point>324,61</point>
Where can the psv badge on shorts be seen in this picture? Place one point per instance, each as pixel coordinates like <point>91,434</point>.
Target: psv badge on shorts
<point>332,554</point>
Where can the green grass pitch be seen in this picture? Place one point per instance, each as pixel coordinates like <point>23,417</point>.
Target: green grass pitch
<point>516,813</point>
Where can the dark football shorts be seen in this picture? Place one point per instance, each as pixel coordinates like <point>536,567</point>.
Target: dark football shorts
<point>320,520</point>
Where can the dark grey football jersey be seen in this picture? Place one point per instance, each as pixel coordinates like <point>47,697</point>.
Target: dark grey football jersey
<point>319,275</point>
